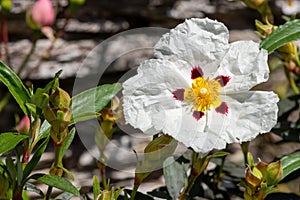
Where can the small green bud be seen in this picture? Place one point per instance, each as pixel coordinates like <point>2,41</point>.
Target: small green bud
<point>264,30</point>
<point>57,171</point>
<point>58,113</point>
<point>75,5</point>
<point>274,173</point>
<point>60,99</point>
<point>6,6</point>
<point>155,153</point>
<point>253,179</point>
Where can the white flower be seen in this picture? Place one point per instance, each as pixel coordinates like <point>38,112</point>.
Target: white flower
<point>197,90</point>
<point>289,7</point>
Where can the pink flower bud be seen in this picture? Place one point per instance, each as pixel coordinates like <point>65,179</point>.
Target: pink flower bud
<point>42,13</point>
<point>24,125</point>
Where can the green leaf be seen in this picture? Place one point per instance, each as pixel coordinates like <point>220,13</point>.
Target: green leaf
<point>15,86</point>
<point>8,141</point>
<point>175,176</point>
<point>57,182</point>
<point>290,163</point>
<point>66,144</point>
<point>219,154</point>
<point>86,104</point>
<point>96,187</point>
<point>288,32</point>
<point>35,159</point>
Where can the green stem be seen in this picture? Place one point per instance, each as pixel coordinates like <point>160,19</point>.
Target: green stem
<point>245,147</point>
<point>134,191</point>
<point>293,83</point>
<point>192,178</point>
<point>102,168</point>
<point>56,169</point>
<point>49,49</point>
<point>48,194</point>
<point>25,61</point>
<point>5,38</point>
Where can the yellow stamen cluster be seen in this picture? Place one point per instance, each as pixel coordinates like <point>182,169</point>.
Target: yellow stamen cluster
<point>203,94</point>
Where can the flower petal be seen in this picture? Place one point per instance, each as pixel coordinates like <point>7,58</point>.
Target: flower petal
<point>149,94</point>
<point>190,131</point>
<point>245,64</point>
<point>201,42</point>
<point>249,114</point>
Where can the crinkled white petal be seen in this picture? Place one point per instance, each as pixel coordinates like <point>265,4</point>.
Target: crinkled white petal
<point>190,132</point>
<point>148,95</point>
<point>201,42</point>
<point>249,113</point>
<point>246,65</point>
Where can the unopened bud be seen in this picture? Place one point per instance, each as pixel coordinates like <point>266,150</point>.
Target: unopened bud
<point>253,178</point>
<point>58,113</point>
<point>60,99</point>
<point>42,13</point>
<point>154,154</point>
<point>289,51</point>
<point>264,30</point>
<point>24,125</point>
<point>274,173</point>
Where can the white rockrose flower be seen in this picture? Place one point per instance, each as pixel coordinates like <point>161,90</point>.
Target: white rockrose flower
<point>289,7</point>
<point>197,90</point>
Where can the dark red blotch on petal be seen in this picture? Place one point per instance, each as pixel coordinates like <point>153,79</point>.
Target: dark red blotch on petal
<point>179,94</point>
<point>196,72</point>
<point>223,80</point>
<point>223,108</point>
<point>197,115</point>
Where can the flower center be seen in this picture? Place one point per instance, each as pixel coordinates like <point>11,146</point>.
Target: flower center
<point>203,94</point>
<point>203,91</point>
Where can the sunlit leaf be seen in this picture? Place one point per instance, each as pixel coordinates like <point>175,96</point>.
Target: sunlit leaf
<point>57,182</point>
<point>290,163</point>
<point>290,31</point>
<point>15,86</point>
<point>8,141</point>
<point>86,104</point>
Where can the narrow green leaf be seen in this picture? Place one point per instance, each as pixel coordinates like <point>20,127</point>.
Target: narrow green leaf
<point>66,143</point>
<point>96,187</point>
<point>93,100</point>
<point>8,141</point>
<point>35,159</point>
<point>219,154</point>
<point>57,182</point>
<point>288,32</point>
<point>290,163</point>
<point>11,169</point>
<point>175,176</point>
<point>15,86</point>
